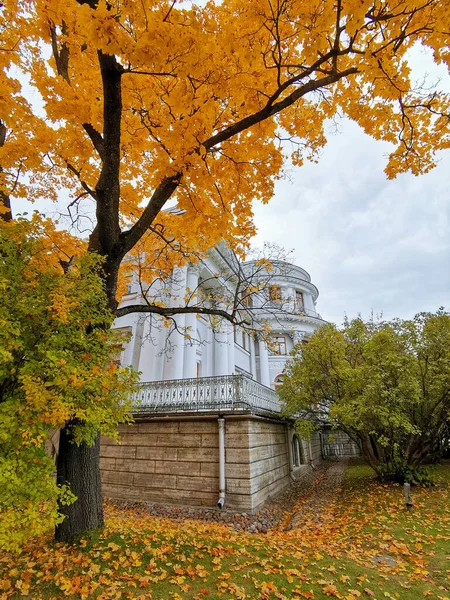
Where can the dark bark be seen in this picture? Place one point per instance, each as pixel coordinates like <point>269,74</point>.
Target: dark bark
<point>5,201</point>
<point>108,186</point>
<point>78,466</point>
<point>4,198</point>
<point>367,450</point>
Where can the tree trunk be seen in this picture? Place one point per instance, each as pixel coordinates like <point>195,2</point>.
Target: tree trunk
<point>4,198</point>
<point>78,466</point>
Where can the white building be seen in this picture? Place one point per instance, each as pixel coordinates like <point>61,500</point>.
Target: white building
<point>208,427</point>
<point>287,306</point>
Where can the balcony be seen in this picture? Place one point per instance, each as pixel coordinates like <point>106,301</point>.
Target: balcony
<point>228,393</point>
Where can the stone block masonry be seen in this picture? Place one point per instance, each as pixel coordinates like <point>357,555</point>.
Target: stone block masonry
<point>337,443</point>
<point>176,461</point>
<point>162,461</point>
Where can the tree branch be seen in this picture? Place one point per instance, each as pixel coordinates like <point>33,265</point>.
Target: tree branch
<point>96,138</point>
<point>272,109</point>
<point>84,185</point>
<point>160,196</point>
<point>152,73</point>
<point>170,311</point>
<point>61,56</point>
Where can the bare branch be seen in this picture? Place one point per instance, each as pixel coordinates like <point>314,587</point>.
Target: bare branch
<point>84,185</point>
<point>171,311</point>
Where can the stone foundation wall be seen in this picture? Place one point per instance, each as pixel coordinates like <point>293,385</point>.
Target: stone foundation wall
<point>337,443</point>
<point>257,462</point>
<point>177,462</point>
<point>163,461</point>
<point>316,451</point>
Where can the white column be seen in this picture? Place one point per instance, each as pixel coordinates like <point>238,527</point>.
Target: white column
<point>173,366</point>
<point>290,291</point>
<point>253,356</point>
<point>158,337</point>
<point>231,363</point>
<point>264,363</point>
<point>190,346</point>
<point>221,353</point>
<point>147,355</point>
<point>137,342</point>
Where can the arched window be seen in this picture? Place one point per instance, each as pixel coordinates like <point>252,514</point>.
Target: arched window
<point>298,457</point>
<point>278,381</point>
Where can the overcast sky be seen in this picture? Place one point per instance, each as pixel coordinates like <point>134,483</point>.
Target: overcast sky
<point>368,243</point>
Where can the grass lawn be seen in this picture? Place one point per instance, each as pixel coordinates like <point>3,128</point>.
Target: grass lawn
<point>363,545</point>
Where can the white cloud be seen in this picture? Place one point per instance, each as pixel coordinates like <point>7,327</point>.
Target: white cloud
<point>369,243</point>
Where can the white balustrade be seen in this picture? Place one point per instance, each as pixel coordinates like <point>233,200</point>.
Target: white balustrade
<point>221,393</point>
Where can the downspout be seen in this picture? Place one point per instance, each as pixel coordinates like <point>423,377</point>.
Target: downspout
<point>311,462</point>
<point>289,445</point>
<point>221,501</point>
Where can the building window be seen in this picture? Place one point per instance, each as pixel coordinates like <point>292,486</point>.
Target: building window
<point>278,381</point>
<point>299,301</point>
<point>298,457</point>
<point>129,288</point>
<point>278,344</point>
<point>246,299</point>
<point>275,293</point>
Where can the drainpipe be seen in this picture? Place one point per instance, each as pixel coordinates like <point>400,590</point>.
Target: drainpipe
<point>221,501</point>
<point>311,462</point>
<point>290,458</point>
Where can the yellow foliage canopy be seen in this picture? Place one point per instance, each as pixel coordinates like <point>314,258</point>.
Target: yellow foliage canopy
<point>146,101</point>
<point>54,370</point>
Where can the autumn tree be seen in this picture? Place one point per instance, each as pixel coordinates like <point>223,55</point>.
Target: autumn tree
<point>137,103</point>
<point>386,384</point>
<point>54,371</point>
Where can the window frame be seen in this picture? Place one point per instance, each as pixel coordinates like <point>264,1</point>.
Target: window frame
<point>299,305</point>
<point>275,294</point>
<point>276,345</point>
<point>278,381</point>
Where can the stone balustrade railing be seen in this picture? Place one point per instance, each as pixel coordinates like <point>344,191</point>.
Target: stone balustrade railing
<point>228,393</point>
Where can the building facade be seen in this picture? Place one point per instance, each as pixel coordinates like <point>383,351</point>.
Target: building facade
<point>208,428</point>
<point>286,306</point>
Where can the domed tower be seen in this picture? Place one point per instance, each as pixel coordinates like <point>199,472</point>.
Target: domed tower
<point>288,306</point>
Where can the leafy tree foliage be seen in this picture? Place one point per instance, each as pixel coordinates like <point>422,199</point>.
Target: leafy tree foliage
<point>136,103</point>
<point>54,372</point>
<point>386,384</point>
